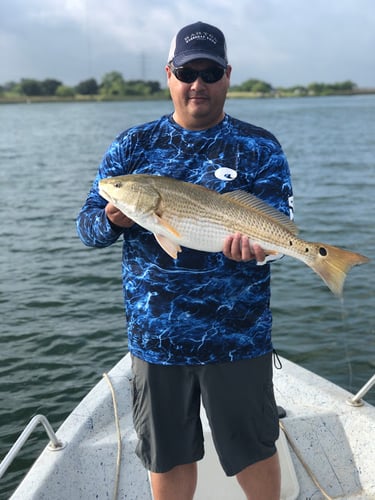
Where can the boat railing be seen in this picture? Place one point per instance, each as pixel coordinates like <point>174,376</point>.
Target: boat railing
<point>357,400</point>
<point>54,445</point>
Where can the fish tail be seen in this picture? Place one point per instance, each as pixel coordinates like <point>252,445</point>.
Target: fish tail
<point>332,264</point>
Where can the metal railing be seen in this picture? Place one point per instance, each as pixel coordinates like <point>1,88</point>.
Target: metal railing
<point>54,445</point>
<point>357,399</point>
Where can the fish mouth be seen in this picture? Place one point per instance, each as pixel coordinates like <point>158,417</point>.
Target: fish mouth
<point>104,194</point>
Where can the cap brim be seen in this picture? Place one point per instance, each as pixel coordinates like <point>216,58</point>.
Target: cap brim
<point>185,58</point>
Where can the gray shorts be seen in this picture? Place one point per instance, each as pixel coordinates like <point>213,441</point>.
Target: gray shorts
<point>239,402</point>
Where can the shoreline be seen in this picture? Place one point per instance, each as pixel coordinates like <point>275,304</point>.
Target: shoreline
<point>164,97</point>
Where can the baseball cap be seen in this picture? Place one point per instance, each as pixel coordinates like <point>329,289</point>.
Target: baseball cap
<point>198,41</point>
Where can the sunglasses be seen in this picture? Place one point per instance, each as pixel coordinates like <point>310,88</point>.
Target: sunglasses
<point>189,75</point>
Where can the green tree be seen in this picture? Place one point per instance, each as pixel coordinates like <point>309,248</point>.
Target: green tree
<point>113,84</point>
<point>141,87</point>
<point>346,86</point>
<point>262,87</point>
<point>331,88</point>
<point>88,87</point>
<point>49,86</point>
<point>65,91</point>
<point>253,85</point>
<point>154,86</point>
<point>30,87</point>
<point>315,88</point>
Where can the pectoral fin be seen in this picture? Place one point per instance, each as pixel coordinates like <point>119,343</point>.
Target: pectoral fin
<point>159,220</point>
<point>168,246</point>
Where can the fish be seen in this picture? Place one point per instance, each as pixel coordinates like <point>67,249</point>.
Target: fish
<point>183,214</point>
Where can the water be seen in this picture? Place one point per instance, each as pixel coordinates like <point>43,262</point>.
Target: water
<point>62,321</point>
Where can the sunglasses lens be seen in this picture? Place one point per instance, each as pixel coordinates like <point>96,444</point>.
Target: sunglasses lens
<point>212,75</point>
<point>185,75</point>
<point>188,75</point>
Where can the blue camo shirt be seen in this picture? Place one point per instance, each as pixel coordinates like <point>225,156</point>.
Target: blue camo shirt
<point>202,307</point>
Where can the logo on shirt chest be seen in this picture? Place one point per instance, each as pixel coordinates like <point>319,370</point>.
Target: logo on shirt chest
<point>225,174</point>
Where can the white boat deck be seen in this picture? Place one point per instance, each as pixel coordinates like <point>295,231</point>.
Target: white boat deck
<point>336,441</point>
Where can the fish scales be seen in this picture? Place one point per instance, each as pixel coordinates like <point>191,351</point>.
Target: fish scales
<point>191,208</point>
<point>198,223</point>
<point>206,222</point>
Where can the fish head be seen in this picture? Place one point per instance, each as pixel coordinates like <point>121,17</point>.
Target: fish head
<point>130,194</point>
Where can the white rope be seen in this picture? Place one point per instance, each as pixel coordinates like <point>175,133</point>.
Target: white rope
<point>307,468</point>
<point>119,440</point>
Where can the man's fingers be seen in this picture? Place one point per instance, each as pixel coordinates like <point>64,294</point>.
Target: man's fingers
<point>239,248</point>
<point>117,217</point>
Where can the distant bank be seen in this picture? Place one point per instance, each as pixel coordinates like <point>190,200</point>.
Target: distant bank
<point>232,94</point>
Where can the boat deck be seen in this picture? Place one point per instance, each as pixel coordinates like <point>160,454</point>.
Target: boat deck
<point>332,438</point>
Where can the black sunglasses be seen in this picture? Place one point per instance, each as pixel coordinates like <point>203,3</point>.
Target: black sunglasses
<point>189,75</point>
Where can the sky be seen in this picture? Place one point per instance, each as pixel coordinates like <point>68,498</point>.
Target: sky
<point>282,42</point>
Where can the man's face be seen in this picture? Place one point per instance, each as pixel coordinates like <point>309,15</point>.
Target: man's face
<point>198,105</point>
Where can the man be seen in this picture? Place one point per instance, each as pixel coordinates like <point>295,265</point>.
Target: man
<point>199,327</point>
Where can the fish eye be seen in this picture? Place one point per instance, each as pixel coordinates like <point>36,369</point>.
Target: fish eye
<point>118,184</point>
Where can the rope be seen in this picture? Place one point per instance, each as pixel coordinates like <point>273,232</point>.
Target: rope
<point>119,440</point>
<point>307,468</point>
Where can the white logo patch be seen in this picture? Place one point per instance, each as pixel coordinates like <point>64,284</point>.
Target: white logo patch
<point>225,174</point>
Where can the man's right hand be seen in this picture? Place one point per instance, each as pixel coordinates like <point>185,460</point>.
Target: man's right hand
<point>117,217</point>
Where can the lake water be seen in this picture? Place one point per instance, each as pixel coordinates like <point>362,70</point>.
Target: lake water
<point>62,320</point>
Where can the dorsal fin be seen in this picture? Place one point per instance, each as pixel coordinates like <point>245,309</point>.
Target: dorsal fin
<point>251,201</point>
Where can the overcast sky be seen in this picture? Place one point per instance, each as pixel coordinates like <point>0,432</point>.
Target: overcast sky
<point>283,42</point>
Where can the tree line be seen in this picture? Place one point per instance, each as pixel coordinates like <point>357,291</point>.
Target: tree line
<point>113,85</point>
<point>315,89</point>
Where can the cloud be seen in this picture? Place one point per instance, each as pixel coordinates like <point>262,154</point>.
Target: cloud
<point>284,42</point>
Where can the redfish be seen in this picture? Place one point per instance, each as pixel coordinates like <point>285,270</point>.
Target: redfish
<point>183,214</point>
